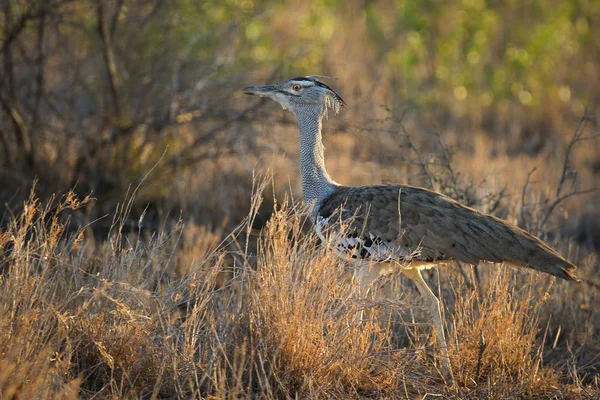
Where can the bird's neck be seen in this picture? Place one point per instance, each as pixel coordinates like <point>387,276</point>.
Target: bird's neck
<point>316,182</point>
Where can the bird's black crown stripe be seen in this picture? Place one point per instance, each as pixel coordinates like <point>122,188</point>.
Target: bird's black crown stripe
<point>319,83</point>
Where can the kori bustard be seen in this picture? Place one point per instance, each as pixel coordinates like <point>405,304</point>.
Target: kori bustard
<point>390,228</point>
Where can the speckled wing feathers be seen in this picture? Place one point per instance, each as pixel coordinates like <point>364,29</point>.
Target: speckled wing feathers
<point>421,225</point>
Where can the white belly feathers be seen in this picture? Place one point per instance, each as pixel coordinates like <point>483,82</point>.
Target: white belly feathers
<point>361,247</point>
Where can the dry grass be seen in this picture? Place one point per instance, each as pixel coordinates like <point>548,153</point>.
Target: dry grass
<point>180,315</point>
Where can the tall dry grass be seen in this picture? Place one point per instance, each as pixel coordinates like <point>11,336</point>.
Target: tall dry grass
<point>267,314</point>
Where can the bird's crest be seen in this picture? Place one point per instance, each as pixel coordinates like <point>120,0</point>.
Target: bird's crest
<point>332,100</point>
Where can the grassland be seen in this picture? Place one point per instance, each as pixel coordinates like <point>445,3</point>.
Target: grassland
<point>153,242</point>
<point>188,312</point>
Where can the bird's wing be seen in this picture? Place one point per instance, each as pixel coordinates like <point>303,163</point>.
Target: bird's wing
<point>364,223</point>
<point>428,226</point>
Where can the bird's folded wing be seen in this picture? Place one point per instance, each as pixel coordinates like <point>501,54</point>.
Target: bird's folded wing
<point>408,220</point>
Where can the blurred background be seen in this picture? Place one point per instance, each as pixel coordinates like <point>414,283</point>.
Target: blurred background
<point>478,99</point>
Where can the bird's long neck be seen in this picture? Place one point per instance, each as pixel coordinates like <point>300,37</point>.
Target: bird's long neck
<point>316,183</point>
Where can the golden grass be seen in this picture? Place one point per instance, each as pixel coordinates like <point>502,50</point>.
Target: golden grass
<point>178,315</point>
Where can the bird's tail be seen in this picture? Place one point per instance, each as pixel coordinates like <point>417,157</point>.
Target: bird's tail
<point>560,270</point>
<point>538,255</point>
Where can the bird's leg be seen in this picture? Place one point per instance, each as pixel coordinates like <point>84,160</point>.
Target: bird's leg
<point>434,310</point>
<point>366,275</point>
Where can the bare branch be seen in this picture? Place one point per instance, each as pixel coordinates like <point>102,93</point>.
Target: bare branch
<point>589,137</point>
<point>13,30</point>
<point>115,17</point>
<point>152,13</point>
<point>567,172</point>
<point>567,164</point>
<point>6,150</point>
<point>10,35</point>
<point>21,130</point>
<point>201,140</point>
<point>558,200</point>
<point>35,113</point>
<point>523,193</point>
<point>420,161</point>
<point>109,58</point>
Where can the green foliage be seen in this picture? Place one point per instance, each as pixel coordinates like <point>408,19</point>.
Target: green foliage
<point>482,51</point>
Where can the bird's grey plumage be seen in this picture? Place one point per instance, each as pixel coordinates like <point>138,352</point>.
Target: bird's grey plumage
<point>316,182</point>
<point>395,222</point>
<point>433,227</point>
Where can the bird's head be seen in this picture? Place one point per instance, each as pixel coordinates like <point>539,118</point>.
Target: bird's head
<point>300,94</point>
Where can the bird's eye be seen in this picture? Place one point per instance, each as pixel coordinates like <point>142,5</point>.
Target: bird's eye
<point>296,87</point>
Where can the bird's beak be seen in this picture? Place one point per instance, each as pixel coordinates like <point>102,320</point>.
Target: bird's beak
<point>263,91</point>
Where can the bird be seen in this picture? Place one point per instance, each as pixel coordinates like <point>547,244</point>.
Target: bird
<point>386,229</point>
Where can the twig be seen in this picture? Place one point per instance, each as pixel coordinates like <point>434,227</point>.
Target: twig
<point>558,200</point>
<point>567,172</point>
<point>448,159</point>
<point>482,347</point>
<point>567,163</point>
<point>201,140</point>
<point>523,193</point>
<point>420,162</point>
